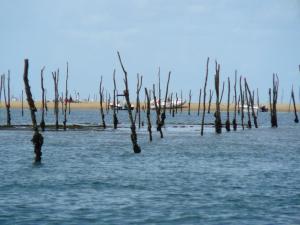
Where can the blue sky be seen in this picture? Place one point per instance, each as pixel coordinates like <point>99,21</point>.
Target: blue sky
<point>255,37</point>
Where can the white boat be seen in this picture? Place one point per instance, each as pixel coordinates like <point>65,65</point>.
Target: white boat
<point>120,106</point>
<point>169,104</point>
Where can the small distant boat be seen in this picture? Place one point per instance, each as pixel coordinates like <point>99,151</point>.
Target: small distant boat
<point>255,108</point>
<point>169,103</point>
<point>120,106</point>
<point>263,109</point>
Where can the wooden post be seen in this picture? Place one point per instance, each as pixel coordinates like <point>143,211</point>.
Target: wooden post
<point>42,123</point>
<point>248,105</point>
<point>171,107</point>
<point>204,97</point>
<point>242,103</point>
<point>218,122</point>
<point>46,104</point>
<point>163,115</point>
<point>115,119</point>
<point>101,92</point>
<point>37,138</point>
<point>228,104</point>
<point>181,100</point>
<point>251,99</point>
<point>210,99</point>
<point>158,123</point>
<point>273,101</point>
<point>199,102</point>
<point>148,115</point>
<point>136,147</point>
<point>55,76</point>
<point>137,107</point>
<point>235,103</point>
<point>222,92</point>
<point>159,91</point>
<point>1,85</point>
<point>66,99</point>
<point>176,104</point>
<point>190,98</point>
<point>295,110</point>
<point>7,99</point>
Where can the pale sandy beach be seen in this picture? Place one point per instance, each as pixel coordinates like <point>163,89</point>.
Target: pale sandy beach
<point>194,106</point>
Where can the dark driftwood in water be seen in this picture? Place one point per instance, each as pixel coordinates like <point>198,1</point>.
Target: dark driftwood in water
<point>138,104</point>
<point>55,76</point>
<point>199,102</point>
<point>204,97</point>
<point>66,99</point>
<point>218,121</point>
<point>37,138</point>
<point>190,99</point>
<point>101,91</point>
<point>136,147</point>
<point>251,99</point>
<point>115,118</point>
<point>228,104</point>
<point>158,123</point>
<point>148,115</point>
<point>7,98</point>
<point>163,115</point>
<point>273,101</point>
<point>234,124</point>
<point>295,109</point>
<point>242,103</point>
<point>42,123</point>
<point>248,105</point>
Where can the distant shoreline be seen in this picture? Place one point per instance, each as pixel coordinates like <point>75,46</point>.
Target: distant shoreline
<point>95,105</point>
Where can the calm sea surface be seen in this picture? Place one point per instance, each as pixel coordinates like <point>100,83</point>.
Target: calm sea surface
<point>93,177</point>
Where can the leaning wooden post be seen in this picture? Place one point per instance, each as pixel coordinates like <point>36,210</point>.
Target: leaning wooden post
<point>228,104</point>
<point>7,98</point>
<point>136,147</point>
<point>66,99</point>
<point>204,97</point>
<point>242,103</point>
<point>235,103</point>
<point>115,119</point>
<point>218,122</point>
<point>163,115</point>
<point>148,115</point>
<point>295,110</point>
<point>251,97</point>
<point>248,105</point>
<point>137,107</point>
<point>158,123</point>
<point>55,76</point>
<point>101,92</point>
<point>190,98</point>
<point>37,138</point>
<point>42,123</point>
<point>199,102</point>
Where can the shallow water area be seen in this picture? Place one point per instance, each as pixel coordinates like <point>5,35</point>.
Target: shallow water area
<point>250,176</point>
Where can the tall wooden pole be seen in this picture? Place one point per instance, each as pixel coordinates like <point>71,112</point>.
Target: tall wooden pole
<point>42,123</point>
<point>204,97</point>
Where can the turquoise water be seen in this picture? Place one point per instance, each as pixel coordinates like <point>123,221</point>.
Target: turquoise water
<point>93,177</point>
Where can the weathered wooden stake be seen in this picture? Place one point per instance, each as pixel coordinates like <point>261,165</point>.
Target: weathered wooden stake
<point>37,138</point>
<point>22,102</point>
<point>295,110</point>
<point>273,101</point>
<point>204,97</point>
<point>242,103</point>
<point>163,115</point>
<point>148,115</point>
<point>42,123</point>
<point>158,122</point>
<point>190,98</point>
<point>136,147</point>
<point>66,99</point>
<point>234,123</point>
<point>218,122</point>
<point>101,92</point>
<point>248,105</point>
<point>228,104</point>
<point>7,99</point>
<point>55,76</point>
<point>251,100</point>
<point>115,119</point>
<point>211,93</point>
<point>138,104</point>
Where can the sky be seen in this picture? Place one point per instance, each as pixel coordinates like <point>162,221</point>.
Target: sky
<point>256,38</point>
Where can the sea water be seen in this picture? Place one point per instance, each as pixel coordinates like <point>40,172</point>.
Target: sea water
<point>92,176</point>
